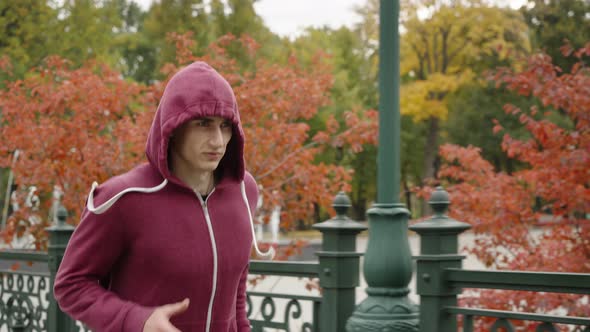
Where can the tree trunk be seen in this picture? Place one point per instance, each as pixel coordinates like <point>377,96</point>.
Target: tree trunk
<point>359,202</point>
<point>359,210</point>
<point>431,149</point>
<point>430,153</point>
<point>407,194</point>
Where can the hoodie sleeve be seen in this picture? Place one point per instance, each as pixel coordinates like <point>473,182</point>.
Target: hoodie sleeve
<point>94,248</point>
<point>241,313</point>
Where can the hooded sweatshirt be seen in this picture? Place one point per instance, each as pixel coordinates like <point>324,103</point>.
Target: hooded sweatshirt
<point>146,239</point>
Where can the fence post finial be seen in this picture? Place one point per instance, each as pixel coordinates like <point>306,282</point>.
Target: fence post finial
<point>339,266</point>
<point>438,251</point>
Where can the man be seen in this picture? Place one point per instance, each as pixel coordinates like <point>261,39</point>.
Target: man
<point>165,247</point>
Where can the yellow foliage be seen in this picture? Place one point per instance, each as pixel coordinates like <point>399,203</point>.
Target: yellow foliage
<point>423,99</point>
<point>443,40</point>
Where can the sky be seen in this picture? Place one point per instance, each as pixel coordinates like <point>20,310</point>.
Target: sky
<point>288,18</point>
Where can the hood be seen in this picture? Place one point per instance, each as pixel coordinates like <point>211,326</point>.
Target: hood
<point>196,91</point>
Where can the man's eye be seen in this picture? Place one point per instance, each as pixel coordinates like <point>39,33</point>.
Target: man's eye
<point>226,125</point>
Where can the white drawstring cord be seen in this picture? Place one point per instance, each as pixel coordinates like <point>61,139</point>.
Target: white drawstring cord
<point>271,251</point>
<point>106,205</point>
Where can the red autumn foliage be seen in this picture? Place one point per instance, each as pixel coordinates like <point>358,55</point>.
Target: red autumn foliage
<point>276,103</point>
<point>535,219</point>
<point>63,122</point>
<point>75,126</point>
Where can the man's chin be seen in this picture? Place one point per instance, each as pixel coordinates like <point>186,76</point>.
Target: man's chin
<point>212,166</point>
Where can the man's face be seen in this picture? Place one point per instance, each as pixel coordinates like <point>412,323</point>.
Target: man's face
<point>198,145</point>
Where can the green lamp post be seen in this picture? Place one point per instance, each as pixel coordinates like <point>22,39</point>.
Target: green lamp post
<point>388,260</point>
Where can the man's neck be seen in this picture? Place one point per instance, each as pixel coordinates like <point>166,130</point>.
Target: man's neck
<point>201,182</point>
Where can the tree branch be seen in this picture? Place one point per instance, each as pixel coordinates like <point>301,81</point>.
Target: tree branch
<point>282,162</point>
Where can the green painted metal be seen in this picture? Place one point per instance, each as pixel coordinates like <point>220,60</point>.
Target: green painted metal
<point>59,235</point>
<point>388,272</point>
<point>29,303</point>
<point>518,315</point>
<point>24,255</point>
<point>289,269</point>
<point>337,270</point>
<point>467,323</point>
<point>438,251</point>
<point>23,301</point>
<point>44,273</point>
<point>268,309</point>
<point>388,154</point>
<point>574,283</point>
<point>546,327</point>
<point>388,265</point>
<point>439,234</point>
<point>440,278</point>
<point>286,296</point>
<point>293,307</point>
<point>25,293</point>
<point>339,266</point>
<point>502,325</point>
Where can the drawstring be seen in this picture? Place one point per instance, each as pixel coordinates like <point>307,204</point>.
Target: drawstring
<point>271,251</point>
<point>106,205</point>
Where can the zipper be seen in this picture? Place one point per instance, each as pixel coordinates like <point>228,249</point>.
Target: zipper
<point>214,247</point>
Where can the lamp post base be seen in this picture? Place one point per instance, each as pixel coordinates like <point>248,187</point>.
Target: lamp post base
<point>384,314</point>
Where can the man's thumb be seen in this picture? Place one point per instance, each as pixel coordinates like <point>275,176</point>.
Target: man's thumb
<point>176,308</point>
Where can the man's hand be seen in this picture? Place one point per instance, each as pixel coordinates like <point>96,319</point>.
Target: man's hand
<point>159,320</point>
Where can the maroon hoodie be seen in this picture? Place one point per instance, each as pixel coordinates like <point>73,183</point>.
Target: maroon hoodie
<point>146,239</point>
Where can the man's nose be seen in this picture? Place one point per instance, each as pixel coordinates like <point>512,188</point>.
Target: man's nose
<point>216,138</point>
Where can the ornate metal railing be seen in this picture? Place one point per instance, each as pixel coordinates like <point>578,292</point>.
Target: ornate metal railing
<point>267,314</point>
<point>440,279</point>
<point>26,298</point>
<point>27,303</point>
<point>24,294</point>
<point>570,283</point>
<point>24,303</point>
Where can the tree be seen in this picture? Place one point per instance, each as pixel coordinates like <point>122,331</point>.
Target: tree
<point>64,122</point>
<point>77,30</point>
<point>343,52</point>
<point>552,22</point>
<point>137,54</point>
<point>444,43</point>
<point>168,16</point>
<point>239,17</point>
<point>552,191</point>
<point>276,103</point>
<point>476,106</point>
<point>76,126</point>
<point>85,30</point>
<point>208,21</point>
<point>25,32</point>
